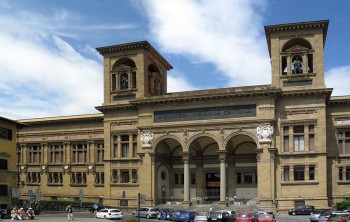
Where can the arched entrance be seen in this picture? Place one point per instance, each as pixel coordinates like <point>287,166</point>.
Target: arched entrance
<point>242,168</point>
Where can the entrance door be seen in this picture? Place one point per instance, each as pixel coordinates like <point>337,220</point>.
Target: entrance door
<point>213,186</point>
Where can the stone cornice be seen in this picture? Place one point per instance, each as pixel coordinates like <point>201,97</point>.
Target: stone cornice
<point>132,46</point>
<point>62,119</point>
<point>337,100</point>
<point>216,94</point>
<point>114,107</point>
<point>308,92</point>
<point>299,26</point>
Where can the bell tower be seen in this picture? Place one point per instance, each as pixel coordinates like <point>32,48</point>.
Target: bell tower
<point>133,71</point>
<point>297,54</point>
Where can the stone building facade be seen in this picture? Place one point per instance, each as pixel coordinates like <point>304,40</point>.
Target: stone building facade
<point>279,145</point>
<point>8,160</point>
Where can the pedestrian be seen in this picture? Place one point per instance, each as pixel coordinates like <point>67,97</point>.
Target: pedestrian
<point>210,209</point>
<point>69,210</point>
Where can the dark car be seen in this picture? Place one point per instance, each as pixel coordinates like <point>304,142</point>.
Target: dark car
<point>173,215</point>
<point>186,216</point>
<point>221,216</point>
<point>302,210</point>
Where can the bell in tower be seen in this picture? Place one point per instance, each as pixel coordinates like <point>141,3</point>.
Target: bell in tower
<point>296,52</point>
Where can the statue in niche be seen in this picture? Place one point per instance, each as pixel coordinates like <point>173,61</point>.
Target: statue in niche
<point>297,66</point>
<point>124,81</point>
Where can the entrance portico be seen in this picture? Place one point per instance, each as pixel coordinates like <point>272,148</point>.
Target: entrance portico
<point>219,165</point>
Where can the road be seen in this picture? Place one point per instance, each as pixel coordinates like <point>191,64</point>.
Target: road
<point>87,217</point>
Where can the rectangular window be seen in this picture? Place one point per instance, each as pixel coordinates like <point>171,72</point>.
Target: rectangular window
<point>176,178</point>
<point>115,146</point>
<point>78,178</point>
<point>344,141</point>
<point>125,145</point>
<point>99,178</point>
<point>33,177</point>
<point>134,176</point>
<point>347,173</point>
<point>286,173</point>
<point>79,151</point>
<point>115,176</point>
<point>3,190</point>
<point>312,172</point>
<point>299,173</point>
<point>193,178</point>
<point>248,178</point>
<point>239,178</point>
<point>5,133</point>
<point>134,145</point>
<point>347,146</point>
<point>34,154</point>
<point>3,164</point>
<point>56,153</point>
<point>298,138</point>
<point>99,156</point>
<point>286,139</point>
<point>340,173</point>
<point>125,176</point>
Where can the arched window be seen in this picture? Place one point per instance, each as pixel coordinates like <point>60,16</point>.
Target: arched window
<point>123,74</point>
<point>155,80</point>
<point>296,57</point>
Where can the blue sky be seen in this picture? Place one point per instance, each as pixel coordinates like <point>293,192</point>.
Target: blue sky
<point>49,65</point>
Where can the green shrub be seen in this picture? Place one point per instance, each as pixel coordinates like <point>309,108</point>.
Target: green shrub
<point>342,205</point>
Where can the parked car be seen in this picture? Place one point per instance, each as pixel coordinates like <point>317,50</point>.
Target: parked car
<point>109,214</point>
<point>319,215</point>
<point>163,214</point>
<point>266,218</point>
<point>186,216</point>
<point>173,215</point>
<point>231,212</point>
<point>221,216</point>
<point>339,217</point>
<point>256,215</point>
<point>244,217</point>
<point>148,212</point>
<point>201,217</point>
<point>302,210</point>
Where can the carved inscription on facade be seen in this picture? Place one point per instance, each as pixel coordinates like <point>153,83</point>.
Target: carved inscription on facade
<point>205,113</point>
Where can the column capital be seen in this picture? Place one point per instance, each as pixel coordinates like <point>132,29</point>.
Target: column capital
<point>222,155</point>
<point>186,155</point>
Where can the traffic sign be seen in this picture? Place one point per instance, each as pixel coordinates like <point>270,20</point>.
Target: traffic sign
<point>142,199</point>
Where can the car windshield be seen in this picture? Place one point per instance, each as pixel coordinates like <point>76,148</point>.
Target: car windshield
<point>265,216</point>
<point>243,215</point>
<point>202,214</point>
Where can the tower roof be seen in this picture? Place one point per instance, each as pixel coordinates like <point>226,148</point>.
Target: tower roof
<point>134,45</point>
<point>311,25</point>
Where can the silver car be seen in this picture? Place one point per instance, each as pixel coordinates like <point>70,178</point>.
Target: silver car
<point>148,212</point>
<point>201,216</point>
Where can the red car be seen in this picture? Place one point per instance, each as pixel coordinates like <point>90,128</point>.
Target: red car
<point>244,217</point>
<point>266,218</point>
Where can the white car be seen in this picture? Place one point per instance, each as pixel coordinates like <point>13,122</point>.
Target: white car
<point>109,214</point>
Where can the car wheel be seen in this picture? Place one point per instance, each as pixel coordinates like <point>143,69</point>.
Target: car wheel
<point>147,216</point>
<point>293,213</point>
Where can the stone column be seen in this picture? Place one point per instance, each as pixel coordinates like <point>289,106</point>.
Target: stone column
<point>200,181</point>
<point>266,168</point>
<point>289,65</point>
<point>131,147</point>
<point>306,138</point>
<point>291,142</point>
<point>44,159</point>
<point>305,63</point>
<point>67,150</point>
<point>91,152</point>
<point>186,157</point>
<point>222,158</point>
<point>307,173</point>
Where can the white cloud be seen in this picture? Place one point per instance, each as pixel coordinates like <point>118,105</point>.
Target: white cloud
<point>177,82</point>
<point>42,74</point>
<point>226,33</point>
<point>338,78</point>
